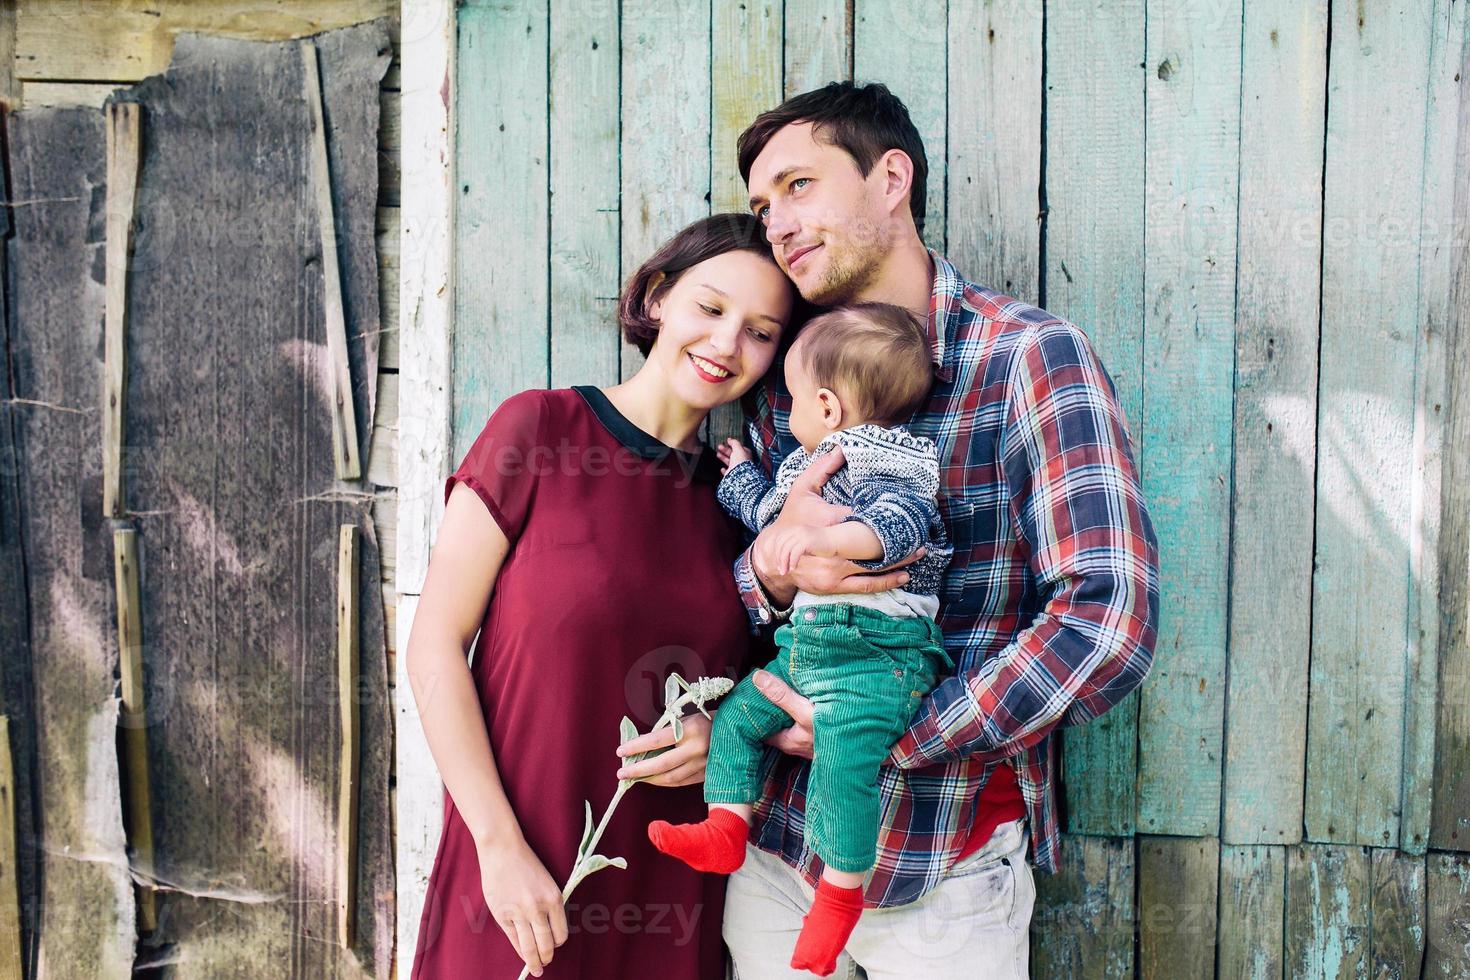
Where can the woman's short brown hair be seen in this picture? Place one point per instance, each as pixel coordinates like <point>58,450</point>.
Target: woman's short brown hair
<point>704,239</point>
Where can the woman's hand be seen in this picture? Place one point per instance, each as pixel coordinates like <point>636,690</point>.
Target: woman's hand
<point>524,901</point>
<point>682,765</point>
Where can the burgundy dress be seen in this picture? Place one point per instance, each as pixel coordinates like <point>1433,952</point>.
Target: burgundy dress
<point>619,572</point>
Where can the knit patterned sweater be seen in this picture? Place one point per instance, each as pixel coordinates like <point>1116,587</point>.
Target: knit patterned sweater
<point>890,480</point>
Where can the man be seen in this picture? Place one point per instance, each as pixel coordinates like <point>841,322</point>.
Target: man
<point>1050,605</point>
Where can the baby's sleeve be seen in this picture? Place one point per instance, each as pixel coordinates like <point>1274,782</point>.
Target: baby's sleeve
<point>502,465</point>
<point>742,492</point>
<point>894,496</point>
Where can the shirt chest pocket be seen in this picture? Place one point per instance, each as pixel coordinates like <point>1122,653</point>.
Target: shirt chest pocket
<point>959,590</point>
<point>983,566</point>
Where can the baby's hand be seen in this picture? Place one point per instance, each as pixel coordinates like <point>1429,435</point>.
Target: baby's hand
<point>732,453</point>
<point>790,544</point>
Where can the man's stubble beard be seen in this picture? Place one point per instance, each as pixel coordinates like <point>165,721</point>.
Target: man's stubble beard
<point>846,276</point>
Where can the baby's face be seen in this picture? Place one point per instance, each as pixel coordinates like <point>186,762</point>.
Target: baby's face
<point>811,418</point>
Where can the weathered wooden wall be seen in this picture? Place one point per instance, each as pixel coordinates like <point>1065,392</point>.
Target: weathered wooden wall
<point>60,54</point>
<point>1257,210</point>
<point>70,823</point>
<point>231,478</point>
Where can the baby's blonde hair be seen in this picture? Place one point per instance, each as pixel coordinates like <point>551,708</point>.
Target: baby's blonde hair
<point>875,356</point>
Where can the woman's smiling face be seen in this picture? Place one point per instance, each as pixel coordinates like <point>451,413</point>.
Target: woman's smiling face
<point>720,324</point>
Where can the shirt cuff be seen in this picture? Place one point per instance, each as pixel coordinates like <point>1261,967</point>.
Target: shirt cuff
<point>757,603</point>
<point>922,745</point>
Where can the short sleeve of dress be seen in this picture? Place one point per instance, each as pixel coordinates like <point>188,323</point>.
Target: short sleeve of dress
<point>500,465</point>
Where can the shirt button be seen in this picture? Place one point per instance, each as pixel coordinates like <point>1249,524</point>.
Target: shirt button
<point>765,615</point>
<point>898,673</point>
<point>811,614</point>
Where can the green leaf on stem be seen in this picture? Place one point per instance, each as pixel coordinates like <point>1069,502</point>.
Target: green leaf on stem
<point>586,830</point>
<point>597,862</point>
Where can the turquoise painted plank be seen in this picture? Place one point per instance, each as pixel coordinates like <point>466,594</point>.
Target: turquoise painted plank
<point>666,128</point>
<point>584,192</point>
<point>1094,277</point>
<point>1193,147</point>
<point>1282,112</point>
<point>1327,911</point>
<point>1252,907</point>
<point>745,80</point>
<point>993,168</point>
<point>903,45</point>
<point>817,47</point>
<point>1360,591</point>
<point>1446,151</point>
<point>501,236</point>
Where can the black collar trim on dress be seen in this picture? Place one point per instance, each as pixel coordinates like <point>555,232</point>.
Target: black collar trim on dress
<point>704,464</point>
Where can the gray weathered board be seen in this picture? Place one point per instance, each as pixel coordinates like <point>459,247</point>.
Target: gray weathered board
<point>82,906</point>
<point>228,478</point>
<point>16,702</point>
<point>229,470</point>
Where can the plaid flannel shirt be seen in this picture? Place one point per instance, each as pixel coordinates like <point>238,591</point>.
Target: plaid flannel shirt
<point>1049,607</point>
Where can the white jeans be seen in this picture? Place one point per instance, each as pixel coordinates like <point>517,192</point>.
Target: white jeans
<point>974,924</point>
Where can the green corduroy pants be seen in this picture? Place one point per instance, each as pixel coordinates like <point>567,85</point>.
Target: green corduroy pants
<point>865,673</point>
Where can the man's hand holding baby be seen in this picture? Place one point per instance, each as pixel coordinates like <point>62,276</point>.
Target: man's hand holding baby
<point>814,573</point>
<point>793,542</point>
<point>851,540</point>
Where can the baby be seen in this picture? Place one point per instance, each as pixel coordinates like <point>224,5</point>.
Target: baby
<point>864,660</point>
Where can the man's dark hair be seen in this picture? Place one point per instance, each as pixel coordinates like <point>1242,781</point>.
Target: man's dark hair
<point>865,120</point>
<point>704,239</point>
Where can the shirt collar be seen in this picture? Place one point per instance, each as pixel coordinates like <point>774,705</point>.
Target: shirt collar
<point>944,314</point>
<point>704,465</point>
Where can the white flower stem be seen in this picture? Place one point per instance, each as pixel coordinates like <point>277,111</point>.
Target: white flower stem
<point>699,694</point>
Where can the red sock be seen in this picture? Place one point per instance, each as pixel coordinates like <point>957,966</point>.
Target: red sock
<point>716,844</point>
<point>826,927</point>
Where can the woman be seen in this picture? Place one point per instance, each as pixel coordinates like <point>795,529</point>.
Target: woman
<point>582,540</point>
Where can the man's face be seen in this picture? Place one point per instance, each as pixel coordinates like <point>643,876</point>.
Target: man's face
<point>825,221</point>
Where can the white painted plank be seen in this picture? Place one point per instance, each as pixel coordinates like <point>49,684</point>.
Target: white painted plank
<point>425,330</point>
<point>425,283</point>
<point>666,125</point>
<point>1448,58</point>
<point>584,193</point>
<point>419,812</point>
